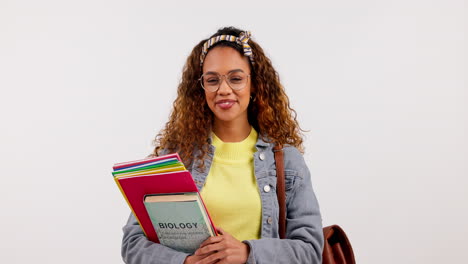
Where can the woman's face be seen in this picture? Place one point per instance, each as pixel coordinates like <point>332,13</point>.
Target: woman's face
<point>228,105</point>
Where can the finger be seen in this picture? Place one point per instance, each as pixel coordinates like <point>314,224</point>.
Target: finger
<point>213,258</point>
<point>200,256</point>
<point>206,261</point>
<point>224,233</point>
<point>220,231</point>
<point>211,248</point>
<point>211,240</point>
<point>211,262</point>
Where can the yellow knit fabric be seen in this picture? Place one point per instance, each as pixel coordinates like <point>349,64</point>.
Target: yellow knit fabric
<point>230,192</point>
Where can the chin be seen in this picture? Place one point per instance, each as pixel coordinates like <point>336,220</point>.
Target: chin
<point>226,117</point>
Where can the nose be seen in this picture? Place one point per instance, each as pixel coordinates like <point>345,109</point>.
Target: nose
<point>224,87</point>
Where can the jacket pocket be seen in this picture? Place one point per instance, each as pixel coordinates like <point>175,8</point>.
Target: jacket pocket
<point>291,179</point>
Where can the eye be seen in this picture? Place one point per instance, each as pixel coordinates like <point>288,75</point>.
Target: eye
<point>236,79</point>
<point>212,80</point>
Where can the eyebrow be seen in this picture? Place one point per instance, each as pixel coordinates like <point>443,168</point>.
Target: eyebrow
<point>231,71</point>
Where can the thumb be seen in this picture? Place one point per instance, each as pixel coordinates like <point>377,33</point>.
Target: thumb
<point>220,231</point>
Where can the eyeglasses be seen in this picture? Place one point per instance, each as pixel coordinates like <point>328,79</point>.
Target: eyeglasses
<point>212,81</point>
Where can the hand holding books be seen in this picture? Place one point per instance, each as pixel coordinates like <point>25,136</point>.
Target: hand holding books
<point>220,247</point>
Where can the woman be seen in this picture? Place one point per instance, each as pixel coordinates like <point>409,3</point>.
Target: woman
<point>231,110</point>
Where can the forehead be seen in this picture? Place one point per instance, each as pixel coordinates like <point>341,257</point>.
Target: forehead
<point>225,59</point>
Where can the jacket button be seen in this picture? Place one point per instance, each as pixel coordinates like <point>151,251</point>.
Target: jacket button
<point>262,156</point>
<point>269,220</point>
<point>266,188</point>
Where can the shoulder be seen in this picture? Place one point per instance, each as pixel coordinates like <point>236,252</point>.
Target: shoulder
<point>292,151</point>
<point>292,156</point>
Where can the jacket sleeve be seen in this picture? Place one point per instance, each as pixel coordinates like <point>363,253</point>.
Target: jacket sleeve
<point>304,234</point>
<point>136,248</point>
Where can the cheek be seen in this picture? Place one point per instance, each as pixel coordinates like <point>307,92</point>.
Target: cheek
<point>207,97</point>
<point>209,100</point>
<point>246,96</point>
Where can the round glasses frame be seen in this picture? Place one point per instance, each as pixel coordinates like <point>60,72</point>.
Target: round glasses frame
<point>221,81</point>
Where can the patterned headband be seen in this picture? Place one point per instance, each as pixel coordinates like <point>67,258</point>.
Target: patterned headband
<point>243,40</point>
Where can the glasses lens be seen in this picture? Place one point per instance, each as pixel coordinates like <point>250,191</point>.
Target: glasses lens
<point>237,80</point>
<point>212,81</point>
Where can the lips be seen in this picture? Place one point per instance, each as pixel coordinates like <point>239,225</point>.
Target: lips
<point>225,104</point>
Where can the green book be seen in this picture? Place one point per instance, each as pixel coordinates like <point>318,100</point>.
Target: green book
<point>179,219</point>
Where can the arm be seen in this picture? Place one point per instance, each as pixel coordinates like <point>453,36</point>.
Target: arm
<point>304,235</point>
<point>136,248</point>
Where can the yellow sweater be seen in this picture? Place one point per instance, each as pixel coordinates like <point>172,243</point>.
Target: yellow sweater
<point>230,192</point>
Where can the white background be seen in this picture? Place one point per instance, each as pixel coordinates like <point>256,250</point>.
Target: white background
<point>379,85</point>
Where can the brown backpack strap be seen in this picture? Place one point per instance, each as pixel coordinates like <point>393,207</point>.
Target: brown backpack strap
<point>280,189</point>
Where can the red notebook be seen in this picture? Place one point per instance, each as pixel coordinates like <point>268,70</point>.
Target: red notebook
<point>135,188</point>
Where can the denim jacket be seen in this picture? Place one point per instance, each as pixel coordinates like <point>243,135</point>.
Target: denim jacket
<point>304,237</point>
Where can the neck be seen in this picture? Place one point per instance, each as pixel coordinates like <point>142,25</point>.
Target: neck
<point>230,132</point>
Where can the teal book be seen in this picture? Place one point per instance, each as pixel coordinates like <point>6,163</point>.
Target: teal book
<point>179,219</point>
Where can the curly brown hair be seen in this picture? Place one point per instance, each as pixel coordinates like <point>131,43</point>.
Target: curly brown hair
<point>189,125</point>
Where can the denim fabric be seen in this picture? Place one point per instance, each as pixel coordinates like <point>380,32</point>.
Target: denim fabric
<point>304,237</point>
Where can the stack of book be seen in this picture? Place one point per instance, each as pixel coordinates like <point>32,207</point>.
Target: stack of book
<point>165,200</point>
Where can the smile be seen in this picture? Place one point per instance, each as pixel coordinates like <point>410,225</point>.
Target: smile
<point>225,104</point>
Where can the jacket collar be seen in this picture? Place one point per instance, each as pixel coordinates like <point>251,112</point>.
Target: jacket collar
<point>261,143</point>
